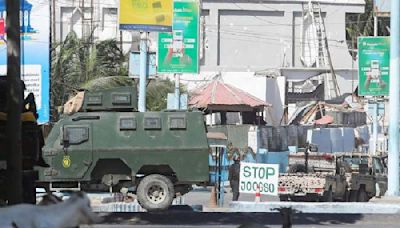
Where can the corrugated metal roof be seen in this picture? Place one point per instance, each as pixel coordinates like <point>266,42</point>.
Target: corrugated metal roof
<point>218,93</point>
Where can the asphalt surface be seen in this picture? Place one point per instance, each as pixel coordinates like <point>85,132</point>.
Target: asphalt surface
<point>201,196</point>
<point>182,218</point>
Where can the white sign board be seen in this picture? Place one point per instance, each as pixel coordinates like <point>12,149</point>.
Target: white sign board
<point>265,176</point>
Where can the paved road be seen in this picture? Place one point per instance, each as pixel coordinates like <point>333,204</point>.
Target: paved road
<point>181,218</point>
<point>201,196</point>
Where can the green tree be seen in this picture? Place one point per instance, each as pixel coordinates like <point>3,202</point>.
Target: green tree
<point>359,25</point>
<point>157,94</point>
<point>363,25</point>
<point>77,62</point>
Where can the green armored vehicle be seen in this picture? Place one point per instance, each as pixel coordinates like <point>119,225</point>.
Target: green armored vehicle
<point>106,144</point>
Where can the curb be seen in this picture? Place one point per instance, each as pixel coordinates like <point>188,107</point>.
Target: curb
<point>326,208</point>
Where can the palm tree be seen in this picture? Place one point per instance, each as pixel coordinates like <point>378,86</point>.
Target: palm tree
<point>77,63</point>
<point>157,94</point>
<point>107,83</point>
<point>359,25</point>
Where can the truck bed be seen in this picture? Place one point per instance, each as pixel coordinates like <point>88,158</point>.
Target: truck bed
<point>300,184</point>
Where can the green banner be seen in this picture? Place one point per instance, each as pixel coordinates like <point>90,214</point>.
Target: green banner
<point>373,66</point>
<point>178,52</point>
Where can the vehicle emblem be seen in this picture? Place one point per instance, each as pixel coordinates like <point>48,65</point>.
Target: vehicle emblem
<point>66,161</point>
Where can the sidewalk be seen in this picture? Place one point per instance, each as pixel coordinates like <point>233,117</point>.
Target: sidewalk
<point>386,200</point>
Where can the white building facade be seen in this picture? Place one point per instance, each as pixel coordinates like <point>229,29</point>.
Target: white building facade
<point>254,44</point>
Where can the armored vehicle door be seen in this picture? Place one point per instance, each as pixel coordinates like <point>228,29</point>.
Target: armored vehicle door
<point>77,155</point>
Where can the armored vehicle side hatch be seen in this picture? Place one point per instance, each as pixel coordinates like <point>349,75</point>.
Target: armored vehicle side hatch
<point>116,99</point>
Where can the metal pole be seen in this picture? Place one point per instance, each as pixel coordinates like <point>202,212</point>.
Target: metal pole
<point>374,128</point>
<point>177,92</point>
<point>375,25</point>
<point>14,108</point>
<point>393,156</point>
<point>143,72</point>
<point>375,105</point>
<point>53,22</point>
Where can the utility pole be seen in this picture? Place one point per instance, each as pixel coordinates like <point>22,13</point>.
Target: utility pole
<point>375,19</point>
<point>375,102</point>
<point>14,104</point>
<point>177,92</point>
<point>53,22</point>
<point>393,159</point>
<point>143,72</point>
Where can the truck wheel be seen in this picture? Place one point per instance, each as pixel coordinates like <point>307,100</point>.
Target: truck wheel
<point>327,196</point>
<point>346,195</point>
<point>283,198</point>
<point>155,192</point>
<point>362,195</point>
<point>353,196</point>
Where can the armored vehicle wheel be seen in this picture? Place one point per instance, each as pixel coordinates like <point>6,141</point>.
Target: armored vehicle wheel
<point>327,196</point>
<point>362,195</point>
<point>155,192</point>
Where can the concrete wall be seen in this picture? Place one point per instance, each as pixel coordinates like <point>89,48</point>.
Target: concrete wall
<point>255,35</point>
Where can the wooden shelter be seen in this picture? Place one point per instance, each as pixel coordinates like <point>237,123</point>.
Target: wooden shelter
<point>218,96</point>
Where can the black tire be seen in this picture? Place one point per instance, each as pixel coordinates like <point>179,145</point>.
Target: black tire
<point>362,195</point>
<point>353,196</point>
<point>327,196</point>
<point>155,192</point>
<point>346,196</point>
<point>283,198</point>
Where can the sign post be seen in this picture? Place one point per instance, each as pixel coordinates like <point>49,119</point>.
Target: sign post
<point>145,16</point>
<point>35,58</point>
<point>373,66</point>
<point>178,51</point>
<point>262,176</point>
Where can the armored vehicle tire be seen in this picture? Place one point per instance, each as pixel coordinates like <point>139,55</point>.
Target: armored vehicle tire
<point>155,192</point>
<point>362,195</point>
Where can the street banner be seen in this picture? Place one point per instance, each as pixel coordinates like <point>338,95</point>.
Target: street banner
<point>145,15</point>
<point>373,66</point>
<point>35,53</point>
<point>263,176</point>
<point>178,51</point>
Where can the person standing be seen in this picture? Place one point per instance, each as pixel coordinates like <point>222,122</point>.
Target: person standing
<point>234,172</point>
